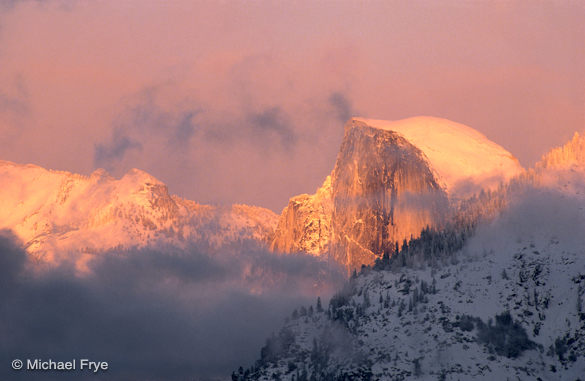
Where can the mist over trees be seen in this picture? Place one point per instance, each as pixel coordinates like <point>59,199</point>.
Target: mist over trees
<point>152,314</point>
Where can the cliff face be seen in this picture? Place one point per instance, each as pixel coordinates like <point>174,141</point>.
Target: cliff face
<point>509,305</point>
<point>383,192</point>
<point>305,224</point>
<point>562,168</point>
<point>390,180</point>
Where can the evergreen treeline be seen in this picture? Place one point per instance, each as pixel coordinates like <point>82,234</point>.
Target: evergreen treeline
<point>432,247</point>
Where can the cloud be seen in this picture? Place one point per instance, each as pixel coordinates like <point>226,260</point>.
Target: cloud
<point>142,123</point>
<point>342,106</point>
<point>107,155</point>
<point>145,115</point>
<point>14,105</point>
<point>183,130</point>
<point>11,261</point>
<point>153,314</point>
<point>272,120</point>
<point>217,69</point>
<point>15,108</point>
<point>540,216</point>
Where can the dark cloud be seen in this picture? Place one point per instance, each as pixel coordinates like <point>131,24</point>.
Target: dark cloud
<point>183,130</point>
<point>342,106</point>
<point>273,120</point>
<point>143,121</point>
<point>153,314</point>
<point>13,105</point>
<point>146,116</point>
<point>270,130</point>
<point>107,155</point>
<point>11,261</point>
<point>149,124</point>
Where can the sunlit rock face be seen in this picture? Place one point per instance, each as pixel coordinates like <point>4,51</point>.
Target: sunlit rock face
<point>383,192</point>
<point>563,168</point>
<point>305,224</point>
<point>570,155</point>
<point>391,180</point>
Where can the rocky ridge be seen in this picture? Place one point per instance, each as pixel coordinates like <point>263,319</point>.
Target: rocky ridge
<point>61,216</point>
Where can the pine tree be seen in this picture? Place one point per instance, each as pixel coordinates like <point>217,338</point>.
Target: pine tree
<point>303,311</point>
<point>366,299</point>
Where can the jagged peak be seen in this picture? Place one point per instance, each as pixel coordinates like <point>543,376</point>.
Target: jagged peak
<point>61,213</point>
<point>570,154</point>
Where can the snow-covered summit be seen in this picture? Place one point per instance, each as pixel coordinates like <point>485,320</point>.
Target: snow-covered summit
<point>464,160</point>
<point>390,181</point>
<point>65,216</point>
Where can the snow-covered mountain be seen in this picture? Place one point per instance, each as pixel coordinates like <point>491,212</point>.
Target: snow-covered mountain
<point>462,159</point>
<point>513,313</point>
<point>507,302</point>
<point>65,216</point>
<point>391,180</point>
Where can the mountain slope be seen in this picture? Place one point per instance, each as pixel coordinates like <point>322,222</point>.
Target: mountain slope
<point>390,180</point>
<point>65,216</point>
<point>510,305</point>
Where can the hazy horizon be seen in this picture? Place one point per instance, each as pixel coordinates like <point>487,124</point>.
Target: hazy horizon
<point>246,102</point>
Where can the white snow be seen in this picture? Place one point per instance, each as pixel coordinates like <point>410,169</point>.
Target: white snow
<point>464,160</point>
<point>529,261</point>
<point>64,216</point>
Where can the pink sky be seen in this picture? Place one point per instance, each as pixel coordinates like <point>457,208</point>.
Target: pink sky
<point>244,101</point>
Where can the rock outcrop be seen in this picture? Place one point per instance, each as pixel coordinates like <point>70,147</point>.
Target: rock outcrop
<point>391,180</point>
<point>305,224</point>
<point>570,154</point>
